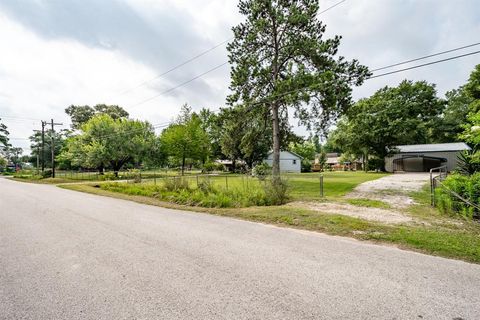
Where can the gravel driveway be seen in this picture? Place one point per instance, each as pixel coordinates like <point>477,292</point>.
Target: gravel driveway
<point>392,189</point>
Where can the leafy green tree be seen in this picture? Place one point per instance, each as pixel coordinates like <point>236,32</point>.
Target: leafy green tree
<point>391,117</point>
<point>3,135</point>
<point>105,141</point>
<point>450,124</point>
<point>3,162</point>
<point>186,139</point>
<point>81,114</point>
<point>471,133</point>
<point>279,59</point>
<point>307,150</point>
<point>249,138</point>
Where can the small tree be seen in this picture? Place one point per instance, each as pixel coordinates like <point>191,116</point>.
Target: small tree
<point>186,139</point>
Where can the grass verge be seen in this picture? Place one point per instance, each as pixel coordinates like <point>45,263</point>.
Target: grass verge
<point>458,240</point>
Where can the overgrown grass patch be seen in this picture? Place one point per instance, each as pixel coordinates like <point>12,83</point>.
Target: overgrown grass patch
<point>370,203</point>
<point>186,195</point>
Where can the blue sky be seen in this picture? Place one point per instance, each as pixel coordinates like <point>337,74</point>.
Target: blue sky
<point>58,53</point>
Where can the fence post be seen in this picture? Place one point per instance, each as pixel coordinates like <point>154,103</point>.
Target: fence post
<point>226,182</point>
<point>321,185</point>
<point>197,180</point>
<point>433,192</point>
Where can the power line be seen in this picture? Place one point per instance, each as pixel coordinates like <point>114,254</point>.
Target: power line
<point>331,7</point>
<point>425,64</point>
<point>425,57</point>
<point>177,66</point>
<point>19,118</point>
<point>179,85</point>
<point>200,55</point>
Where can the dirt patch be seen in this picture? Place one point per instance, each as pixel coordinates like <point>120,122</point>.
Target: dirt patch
<point>392,189</point>
<point>367,213</point>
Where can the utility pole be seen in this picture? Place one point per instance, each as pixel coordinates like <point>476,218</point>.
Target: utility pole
<point>53,145</point>
<point>44,123</point>
<point>38,152</point>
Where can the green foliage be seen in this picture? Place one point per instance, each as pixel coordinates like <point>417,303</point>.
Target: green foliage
<point>3,135</point>
<point>186,139</point>
<point>468,163</point>
<point>307,150</point>
<point>280,59</point>
<point>448,126</point>
<point>467,187</point>
<point>82,114</point>
<point>3,162</point>
<point>175,184</point>
<point>391,117</point>
<point>276,191</point>
<point>369,203</point>
<point>47,173</point>
<point>262,171</point>
<point>105,141</point>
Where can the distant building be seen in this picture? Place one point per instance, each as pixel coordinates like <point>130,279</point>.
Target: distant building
<point>289,161</point>
<point>423,157</point>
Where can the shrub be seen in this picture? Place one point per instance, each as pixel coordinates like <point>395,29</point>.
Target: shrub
<point>175,184</point>
<point>467,187</point>
<point>306,165</point>
<point>205,186</point>
<point>209,167</point>
<point>47,173</point>
<point>276,191</point>
<point>261,171</point>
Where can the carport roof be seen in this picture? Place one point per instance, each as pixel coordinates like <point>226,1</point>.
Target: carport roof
<point>435,147</point>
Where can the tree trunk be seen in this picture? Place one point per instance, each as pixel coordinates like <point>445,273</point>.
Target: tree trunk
<point>100,169</point>
<point>183,165</point>
<point>276,142</point>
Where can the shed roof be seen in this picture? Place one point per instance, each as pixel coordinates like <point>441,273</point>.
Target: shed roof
<point>435,147</point>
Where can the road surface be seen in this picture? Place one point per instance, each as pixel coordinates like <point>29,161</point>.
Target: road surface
<point>69,255</point>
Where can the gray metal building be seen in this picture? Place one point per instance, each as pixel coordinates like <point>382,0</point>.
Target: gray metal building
<point>423,157</point>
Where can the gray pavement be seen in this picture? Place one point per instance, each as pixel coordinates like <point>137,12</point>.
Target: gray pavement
<point>69,255</point>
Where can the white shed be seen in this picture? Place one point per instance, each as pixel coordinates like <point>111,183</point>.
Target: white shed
<point>289,161</point>
<point>423,157</point>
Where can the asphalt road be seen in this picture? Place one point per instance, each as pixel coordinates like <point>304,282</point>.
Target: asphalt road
<point>69,255</point>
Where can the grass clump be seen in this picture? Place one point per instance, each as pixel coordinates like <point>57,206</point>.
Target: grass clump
<point>370,203</point>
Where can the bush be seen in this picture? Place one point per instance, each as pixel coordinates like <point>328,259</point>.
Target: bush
<point>276,191</point>
<point>209,167</point>
<point>205,186</point>
<point>467,187</point>
<point>175,184</point>
<point>261,171</point>
<point>306,165</point>
<point>47,173</point>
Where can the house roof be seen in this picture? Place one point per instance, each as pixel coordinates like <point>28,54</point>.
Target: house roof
<point>292,153</point>
<point>435,147</point>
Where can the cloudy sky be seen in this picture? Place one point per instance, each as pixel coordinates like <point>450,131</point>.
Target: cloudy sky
<point>57,53</point>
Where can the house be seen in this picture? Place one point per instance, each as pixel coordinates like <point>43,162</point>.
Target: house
<point>423,157</point>
<point>289,161</point>
<point>333,161</point>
